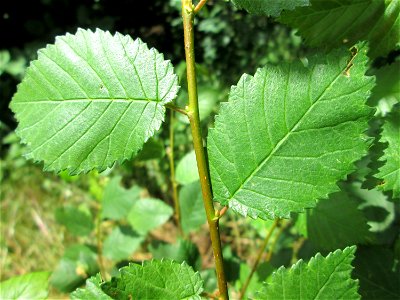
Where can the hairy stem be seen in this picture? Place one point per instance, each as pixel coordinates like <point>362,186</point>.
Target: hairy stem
<point>193,114</point>
<point>174,184</point>
<point>258,259</point>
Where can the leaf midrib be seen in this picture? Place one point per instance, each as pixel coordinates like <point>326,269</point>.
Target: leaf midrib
<point>283,140</point>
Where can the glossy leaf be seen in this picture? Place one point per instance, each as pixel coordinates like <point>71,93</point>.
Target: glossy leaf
<point>28,286</point>
<point>192,210</point>
<point>267,7</point>
<point>91,291</point>
<point>321,278</point>
<point>156,280</point>
<point>92,99</point>
<point>148,214</point>
<point>390,171</point>
<point>289,133</point>
<point>186,169</point>
<point>121,243</point>
<point>117,201</point>
<point>330,23</point>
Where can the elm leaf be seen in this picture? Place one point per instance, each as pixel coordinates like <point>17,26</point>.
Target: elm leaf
<point>92,99</point>
<point>27,286</point>
<point>330,23</point>
<point>148,214</point>
<point>155,279</point>
<point>390,171</point>
<point>91,291</point>
<point>289,133</point>
<point>267,7</point>
<point>321,278</point>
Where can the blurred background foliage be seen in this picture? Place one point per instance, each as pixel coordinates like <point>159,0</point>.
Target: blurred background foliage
<point>36,207</point>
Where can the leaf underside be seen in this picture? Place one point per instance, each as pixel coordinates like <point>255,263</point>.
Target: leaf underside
<point>269,8</point>
<point>321,278</point>
<point>390,171</point>
<point>163,279</point>
<point>92,99</point>
<point>329,23</point>
<point>329,222</point>
<point>289,133</point>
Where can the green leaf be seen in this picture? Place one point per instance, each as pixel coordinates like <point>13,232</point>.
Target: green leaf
<point>387,84</point>
<point>267,7</point>
<point>28,286</point>
<point>153,149</point>
<point>330,23</point>
<point>78,263</point>
<point>182,250</point>
<point>379,211</point>
<point>209,96</point>
<point>77,221</point>
<point>148,214</point>
<point>378,272</point>
<point>289,133</point>
<point>192,209</point>
<point>320,278</point>
<point>91,291</point>
<point>117,201</point>
<point>186,170</point>
<point>156,280</point>
<point>121,243</point>
<point>92,99</point>
<point>337,222</point>
<point>390,171</point>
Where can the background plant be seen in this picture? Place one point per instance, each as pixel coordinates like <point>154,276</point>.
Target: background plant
<point>371,214</point>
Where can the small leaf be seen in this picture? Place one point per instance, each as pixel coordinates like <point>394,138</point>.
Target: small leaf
<point>77,222</point>
<point>156,280</point>
<point>378,272</point>
<point>330,23</point>
<point>78,263</point>
<point>28,286</point>
<point>267,7</point>
<point>186,170</point>
<point>192,209</point>
<point>337,222</point>
<point>387,84</point>
<point>91,291</point>
<point>320,278</point>
<point>390,171</point>
<point>117,201</point>
<point>92,99</point>
<point>153,149</point>
<point>181,251</point>
<point>148,214</point>
<point>121,243</point>
<point>289,133</point>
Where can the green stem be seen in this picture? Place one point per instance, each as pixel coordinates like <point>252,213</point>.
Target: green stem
<point>174,184</point>
<point>99,240</point>
<point>258,259</point>
<point>199,6</point>
<point>193,114</point>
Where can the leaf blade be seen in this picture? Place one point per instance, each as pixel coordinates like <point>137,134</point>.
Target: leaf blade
<point>89,100</point>
<point>164,279</point>
<point>322,278</point>
<point>269,135</point>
